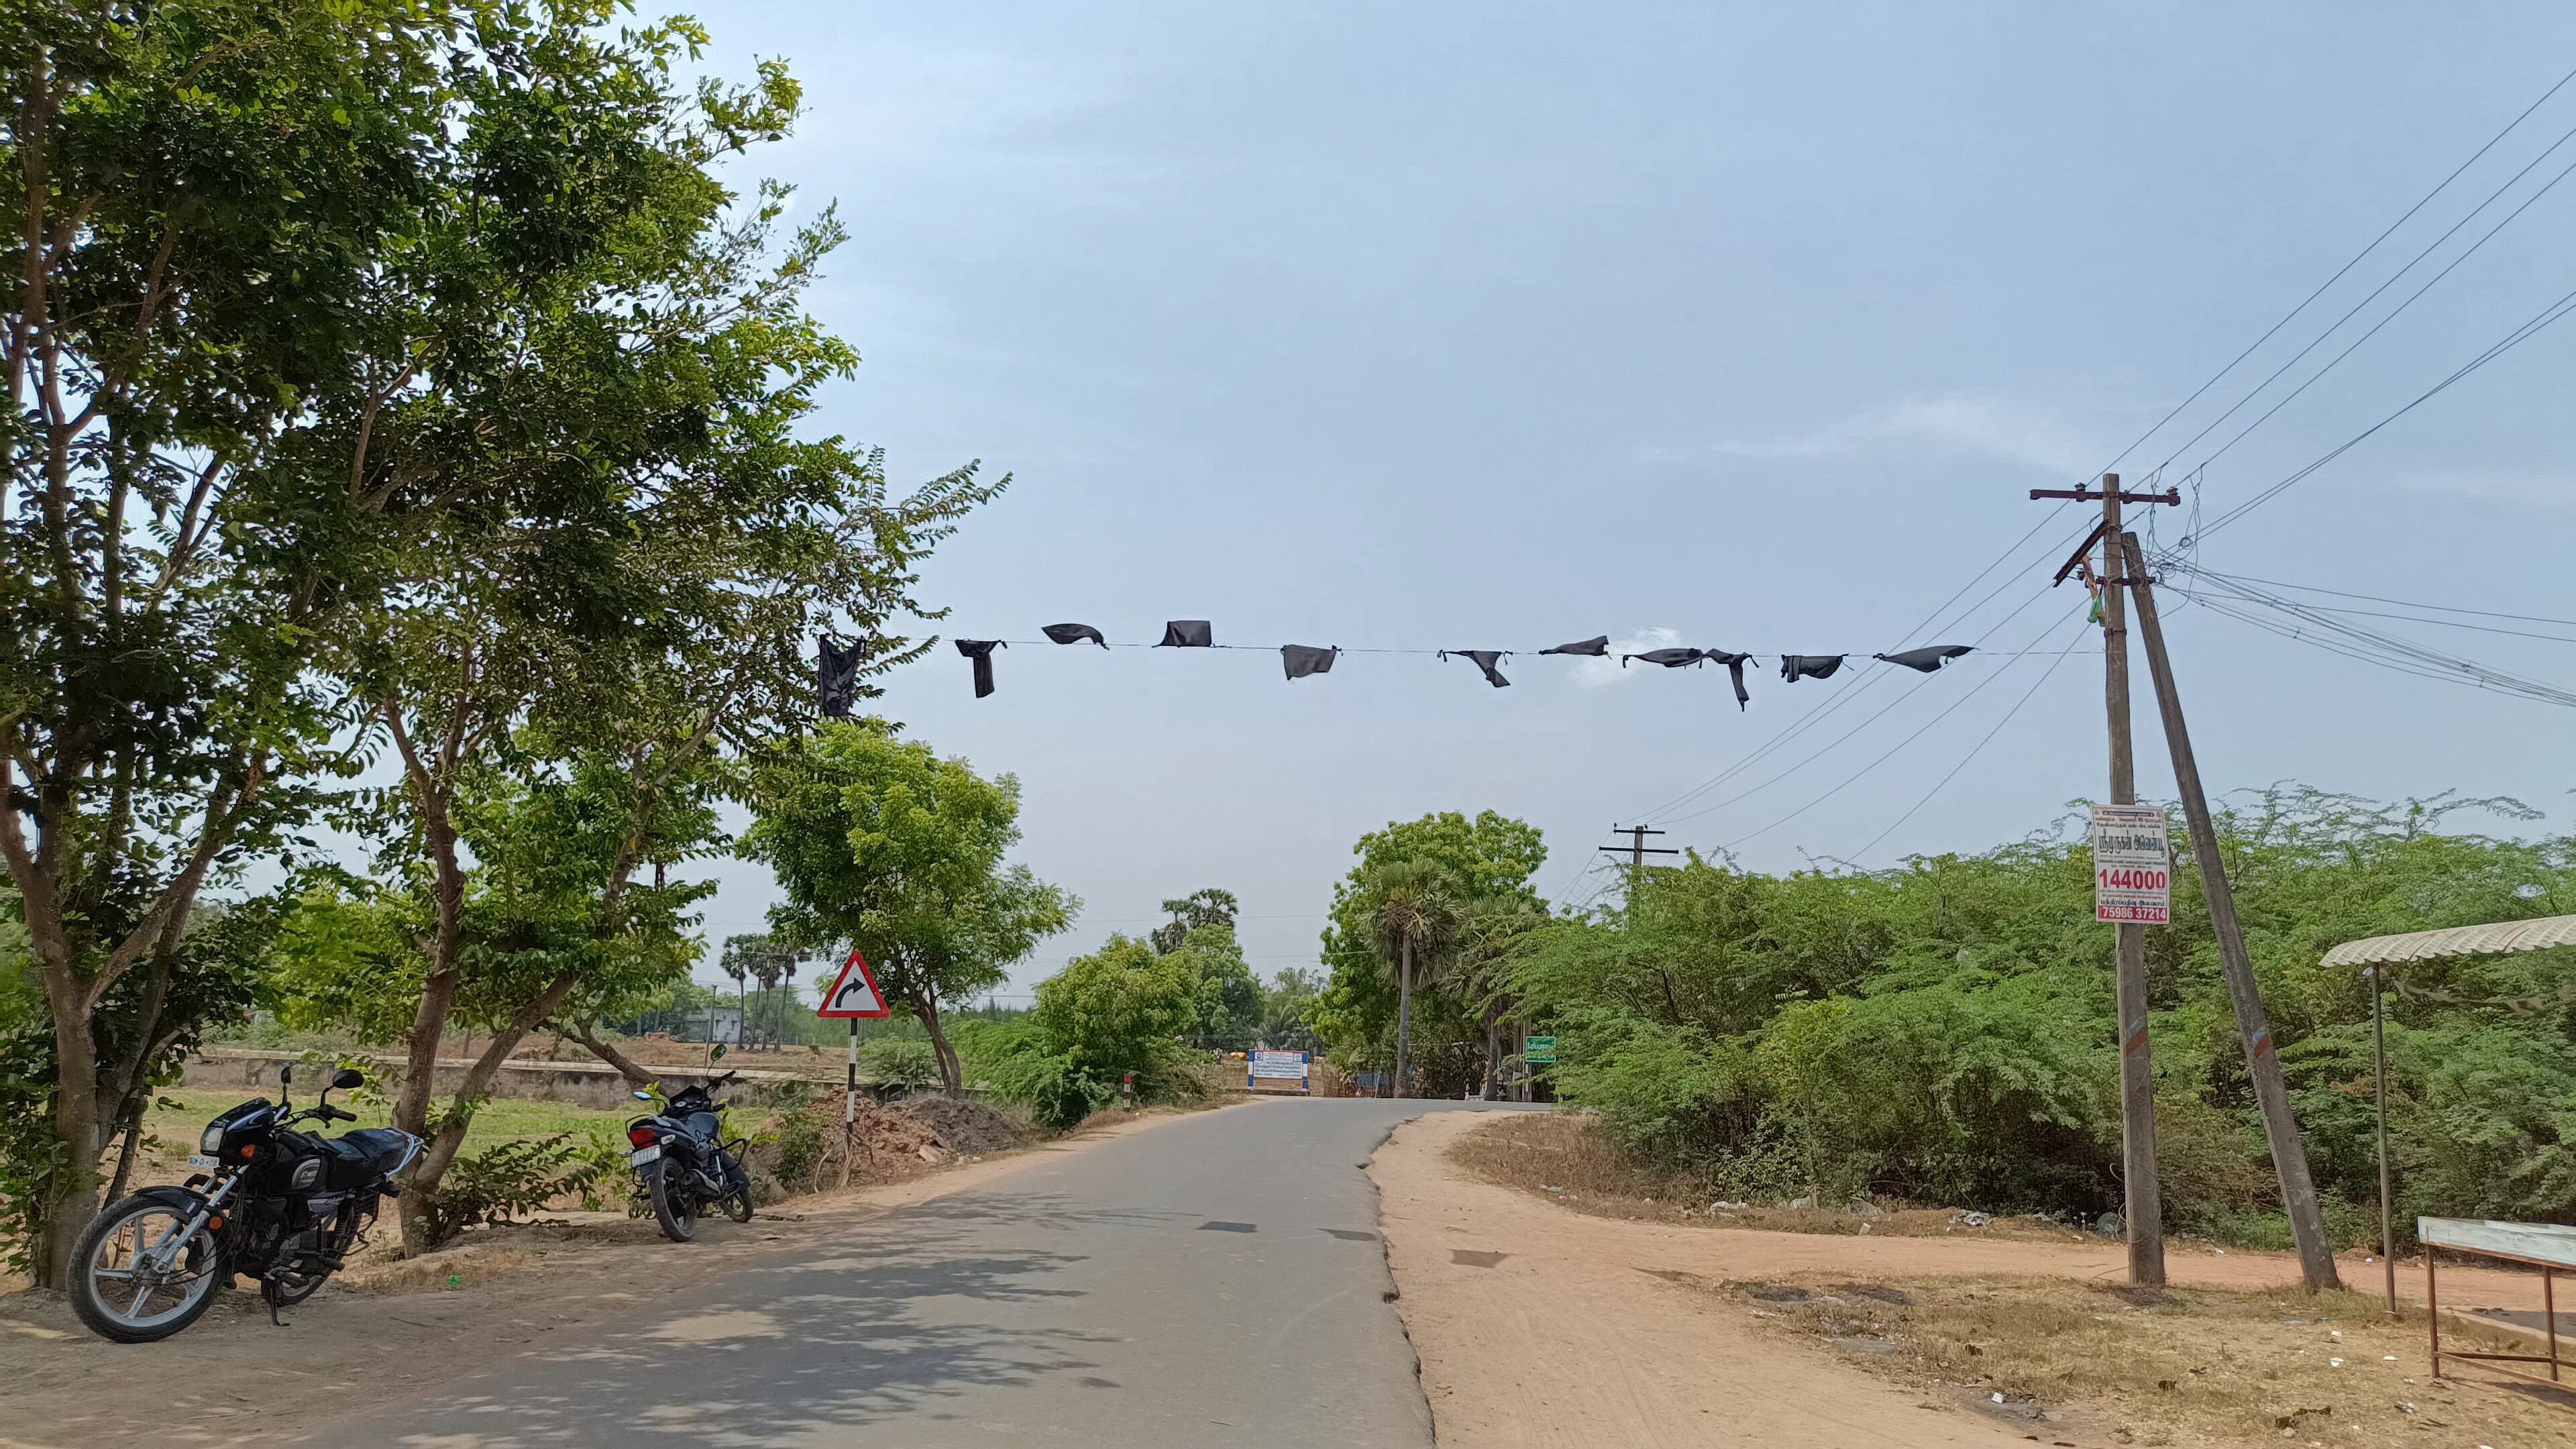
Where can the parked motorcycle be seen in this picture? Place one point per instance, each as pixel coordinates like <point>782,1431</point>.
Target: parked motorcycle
<point>283,1206</point>
<point>683,1165</point>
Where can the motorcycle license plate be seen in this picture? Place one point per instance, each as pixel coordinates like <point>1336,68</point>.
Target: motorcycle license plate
<point>642,1155</point>
<point>202,1162</point>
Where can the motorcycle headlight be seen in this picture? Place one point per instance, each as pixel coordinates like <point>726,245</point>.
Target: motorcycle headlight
<point>307,1176</point>
<point>212,1141</point>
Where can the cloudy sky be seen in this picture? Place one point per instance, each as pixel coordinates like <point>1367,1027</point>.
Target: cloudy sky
<point>1743,327</point>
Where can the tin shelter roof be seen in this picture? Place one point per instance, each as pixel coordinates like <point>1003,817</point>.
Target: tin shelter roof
<point>2501,938</point>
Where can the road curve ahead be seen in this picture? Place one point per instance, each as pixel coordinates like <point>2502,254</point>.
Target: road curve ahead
<point>1215,1280</point>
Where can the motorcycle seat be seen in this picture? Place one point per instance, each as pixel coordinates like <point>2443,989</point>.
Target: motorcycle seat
<point>367,1152</point>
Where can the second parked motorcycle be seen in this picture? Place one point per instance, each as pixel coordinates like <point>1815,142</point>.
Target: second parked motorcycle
<point>683,1164</point>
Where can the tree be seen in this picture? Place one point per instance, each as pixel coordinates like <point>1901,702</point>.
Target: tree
<point>1362,1009</point>
<point>1410,910</point>
<point>1230,999</point>
<point>881,845</point>
<point>1119,1010</point>
<point>1207,907</point>
<point>207,205</point>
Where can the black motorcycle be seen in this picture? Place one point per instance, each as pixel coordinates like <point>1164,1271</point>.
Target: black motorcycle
<point>683,1165</point>
<point>282,1206</point>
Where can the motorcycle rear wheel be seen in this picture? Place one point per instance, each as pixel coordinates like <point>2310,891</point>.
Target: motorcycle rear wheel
<point>673,1205</point>
<point>737,1205</point>
<point>124,1299</point>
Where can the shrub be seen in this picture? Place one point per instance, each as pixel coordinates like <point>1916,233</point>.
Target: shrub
<point>493,1186</point>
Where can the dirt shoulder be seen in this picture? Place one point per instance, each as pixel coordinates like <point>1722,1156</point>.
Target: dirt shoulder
<point>1537,1325</point>
<point>384,1329</point>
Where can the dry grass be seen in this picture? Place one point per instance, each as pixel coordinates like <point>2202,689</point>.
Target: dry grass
<point>1565,1158</point>
<point>2179,1367</point>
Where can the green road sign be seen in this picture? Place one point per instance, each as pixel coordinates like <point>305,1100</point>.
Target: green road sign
<point>1539,1050</point>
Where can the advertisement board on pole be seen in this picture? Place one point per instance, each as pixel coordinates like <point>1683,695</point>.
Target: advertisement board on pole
<point>1539,1051</point>
<point>2132,866</point>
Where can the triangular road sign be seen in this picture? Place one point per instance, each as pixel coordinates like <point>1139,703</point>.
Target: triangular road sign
<point>854,993</point>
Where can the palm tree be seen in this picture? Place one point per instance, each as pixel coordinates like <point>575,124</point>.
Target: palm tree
<point>1410,910</point>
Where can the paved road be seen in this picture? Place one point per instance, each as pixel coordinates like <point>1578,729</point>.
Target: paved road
<point>1215,1280</point>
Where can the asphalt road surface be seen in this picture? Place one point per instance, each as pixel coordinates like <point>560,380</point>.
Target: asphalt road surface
<point>1215,1280</point>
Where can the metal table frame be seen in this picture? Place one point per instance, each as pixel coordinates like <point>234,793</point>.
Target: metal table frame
<point>2548,1307</point>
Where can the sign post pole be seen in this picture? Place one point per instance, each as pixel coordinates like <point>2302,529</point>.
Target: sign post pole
<point>852,996</point>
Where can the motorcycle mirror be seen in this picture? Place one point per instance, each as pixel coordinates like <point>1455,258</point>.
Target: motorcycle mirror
<point>347,1079</point>
<point>286,1074</point>
<point>642,1096</point>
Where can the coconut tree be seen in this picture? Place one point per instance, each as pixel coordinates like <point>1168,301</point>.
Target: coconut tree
<point>1411,912</point>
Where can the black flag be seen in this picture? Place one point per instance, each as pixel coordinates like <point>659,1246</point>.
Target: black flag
<point>1073,634</point>
<point>1301,660</point>
<point>1929,659</point>
<point>981,651</point>
<point>1598,646</point>
<point>1186,634</point>
<point>836,676</point>
<point>1794,667</point>
<point>1484,659</point>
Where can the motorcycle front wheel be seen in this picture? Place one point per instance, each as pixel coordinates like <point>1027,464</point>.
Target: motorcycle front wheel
<point>674,1207</point>
<point>133,1281</point>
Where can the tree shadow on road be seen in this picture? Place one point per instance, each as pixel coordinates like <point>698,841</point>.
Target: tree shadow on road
<point>865,1332</point>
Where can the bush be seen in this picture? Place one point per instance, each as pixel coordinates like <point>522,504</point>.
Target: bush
<point>494,1186</point>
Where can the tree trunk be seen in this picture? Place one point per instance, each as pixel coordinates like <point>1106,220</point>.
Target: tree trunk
<point>1404,1019</point>
<point>80,1125</point>
<point>952,1073</point>
<point>441,1155</point>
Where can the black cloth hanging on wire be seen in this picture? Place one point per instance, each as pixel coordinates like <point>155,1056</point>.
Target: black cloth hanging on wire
<point>1073,634</point>
<point>1669,658</point>
<point>1794,667</point>
<point>1598,646</point>
<point>1301,660</point>
<point>836,676</point>
<point>1187,634</point>
<point>1735,671</point>
<point>1929,659</point>
<point>1484,659</point>
<point>981,651</point>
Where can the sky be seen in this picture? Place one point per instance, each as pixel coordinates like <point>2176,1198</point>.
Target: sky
<point>1743,327</point>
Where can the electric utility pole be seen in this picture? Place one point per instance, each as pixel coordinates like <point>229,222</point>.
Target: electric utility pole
<point>1636,849</point>
<point>2142,1203</point>
<point>2262,1061</point>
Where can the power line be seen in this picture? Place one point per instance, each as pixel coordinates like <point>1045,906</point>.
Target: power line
<point>2377,599</point>
<point>2340,273</point>
<point>1972,753</point>
<point>2529,329</point>
<point>1899,745</point>
<point>2337,325</point>
<point>2323,630</point>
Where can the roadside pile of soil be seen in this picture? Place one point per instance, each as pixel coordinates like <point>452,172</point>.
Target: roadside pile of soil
<point>963,1125</point>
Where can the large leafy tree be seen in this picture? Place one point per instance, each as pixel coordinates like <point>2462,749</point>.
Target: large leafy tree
<point>208,205</point>
<point>1374,1006</point>
<point>880,844</point>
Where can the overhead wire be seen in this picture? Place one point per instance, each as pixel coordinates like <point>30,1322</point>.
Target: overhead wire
<point>2343,270</point>
<point>1892,750</point>
<point>2519,335</point>
<point>1973,752</point>
<point>2308,624</point>
<point>2337,324</point>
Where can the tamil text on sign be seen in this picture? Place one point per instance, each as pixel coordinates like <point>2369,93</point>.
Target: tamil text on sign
<point>2132,870</point>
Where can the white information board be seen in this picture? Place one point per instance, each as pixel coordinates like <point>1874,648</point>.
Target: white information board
<point>2132,869</point>
<point>1277,1067</point>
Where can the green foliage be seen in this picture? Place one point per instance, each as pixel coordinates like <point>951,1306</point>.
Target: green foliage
<point>1944,1031</point>
<point>1230,1002</point>
<point>1420,880</point>
<point>513,1178</point>
<point>904,1061</point>
<point>1107,1021</point>
<point>1206,907</point>
<point>879,843</point>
